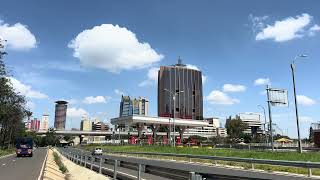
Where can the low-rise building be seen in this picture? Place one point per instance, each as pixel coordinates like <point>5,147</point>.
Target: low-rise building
<point>85,125</point>
<point>253,121</point>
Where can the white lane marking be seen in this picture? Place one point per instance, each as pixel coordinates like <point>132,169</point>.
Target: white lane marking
<point>3,164</point>
<point>43,164</point>
<point>13,160</point>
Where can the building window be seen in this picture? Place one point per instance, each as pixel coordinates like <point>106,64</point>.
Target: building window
<point>177,109</point>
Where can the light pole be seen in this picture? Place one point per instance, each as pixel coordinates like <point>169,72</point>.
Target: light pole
<point>265,122</point>
<point>174,94</point>
<point>295,98</point>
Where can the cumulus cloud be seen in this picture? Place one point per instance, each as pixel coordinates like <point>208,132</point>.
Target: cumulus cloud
<point>26,90</point>
<point>315,28</point>
<point>76,112</point>
<point>218,97</point>
<point>286,29</point>
<point>18,36</point>
<point>234,88</point>
<point>152,77</point>
<point>305,100</point>
<point>97,99</point>
<point>112,48</point>
<point>118,92</point>
<point>262,81</point>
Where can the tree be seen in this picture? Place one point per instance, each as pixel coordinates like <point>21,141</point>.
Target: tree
<point>235,127</point>
<point>12,107</point>
<point>311,134</point>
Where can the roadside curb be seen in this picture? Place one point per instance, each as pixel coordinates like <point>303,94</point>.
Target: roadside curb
<point>1,157</point>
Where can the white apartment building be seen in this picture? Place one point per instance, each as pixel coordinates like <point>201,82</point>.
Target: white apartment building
<point>44,125</point>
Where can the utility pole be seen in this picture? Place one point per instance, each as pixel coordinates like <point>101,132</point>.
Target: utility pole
<point>295,98</point>
<point>270,117</point>
<point>265,123</point>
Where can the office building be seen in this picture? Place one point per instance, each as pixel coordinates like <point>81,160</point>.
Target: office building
<point>136,106</point>
<point>253,121</point>
<point>186,83</point>
<point>45,122</point>
<point>35,124</point>
<point>214,121</point>
<point>86,124</point>
<point>60,115</point>
<point>213,129</point>
<point>99,126</point>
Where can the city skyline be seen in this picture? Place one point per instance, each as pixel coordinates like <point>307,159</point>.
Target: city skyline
<point>239,51</point>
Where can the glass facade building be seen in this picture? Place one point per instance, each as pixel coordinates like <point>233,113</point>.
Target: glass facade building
<point>134,106</point>
<point>187,84</point>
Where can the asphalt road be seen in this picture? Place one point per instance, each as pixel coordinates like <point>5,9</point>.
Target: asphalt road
<point>26,168</point>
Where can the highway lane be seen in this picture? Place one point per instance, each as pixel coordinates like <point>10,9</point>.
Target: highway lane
<point>26,168</point>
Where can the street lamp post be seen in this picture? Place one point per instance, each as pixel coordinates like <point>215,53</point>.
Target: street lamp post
<point>265,122</point>
<point>295,98</point>
<point>174,94</point>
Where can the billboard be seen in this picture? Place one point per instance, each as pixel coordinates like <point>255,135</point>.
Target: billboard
<point>278,97</point>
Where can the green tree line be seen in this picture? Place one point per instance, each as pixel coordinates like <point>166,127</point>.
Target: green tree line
<point>12,106</point>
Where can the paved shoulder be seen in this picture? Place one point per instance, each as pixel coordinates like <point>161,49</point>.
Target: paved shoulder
<point>26,168</point>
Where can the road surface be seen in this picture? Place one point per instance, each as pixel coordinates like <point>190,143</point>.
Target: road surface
<point>26,168</point>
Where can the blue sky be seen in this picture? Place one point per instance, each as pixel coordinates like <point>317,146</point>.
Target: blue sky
<point>90,53</point>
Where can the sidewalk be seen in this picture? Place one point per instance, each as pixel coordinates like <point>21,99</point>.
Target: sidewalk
<point>77,172</point>
<point>51,171</point>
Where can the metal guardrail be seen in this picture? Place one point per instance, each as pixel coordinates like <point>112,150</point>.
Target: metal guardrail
<point>194,174</point>
<point>301,164</point>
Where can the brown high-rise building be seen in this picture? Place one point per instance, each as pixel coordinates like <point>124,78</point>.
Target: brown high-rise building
<point>186,83</point>
<point>60,115</point>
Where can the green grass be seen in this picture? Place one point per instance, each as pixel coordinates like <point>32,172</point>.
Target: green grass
<point>289,156</point>
<point>4,152</point>
<point>58,161</point>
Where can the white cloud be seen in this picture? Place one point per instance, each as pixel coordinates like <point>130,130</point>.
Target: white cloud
<point>97,99</point>
<point>204,79</point>
<point>218,97</point>
<point>152,77</point>
<point>26,90</point>
<point>190,66</point>
<point>286,29</point>
<point>112,48</point>
<point>234,88</point>
<point>315,28</point>
<point>262,81</point>
<point>76,112</point>
<point>305,100</point>
<point>118,92</point>
<point>18,36</point>
<point>257,22</point>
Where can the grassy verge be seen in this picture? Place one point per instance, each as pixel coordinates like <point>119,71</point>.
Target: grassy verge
<point>4,152</point>
<point>289,156</point>
<point>58,161</point>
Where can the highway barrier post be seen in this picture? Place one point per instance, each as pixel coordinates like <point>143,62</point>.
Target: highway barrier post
<point>139,172</point>
<point>192,176</point>
<point>309,171</point>
<point>91,158</point>
<point>115,169</point>
<point>100,164</point>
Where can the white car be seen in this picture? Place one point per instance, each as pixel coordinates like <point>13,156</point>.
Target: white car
<point>97,151</point>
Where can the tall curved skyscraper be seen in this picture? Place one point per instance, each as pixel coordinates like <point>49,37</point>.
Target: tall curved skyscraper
<point>60,115</point>
<point>187,84</point>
